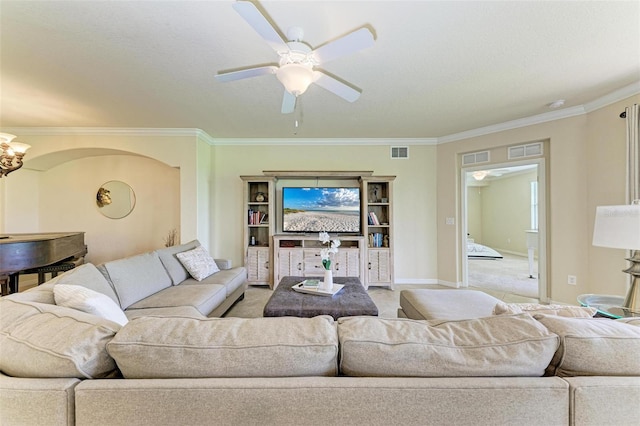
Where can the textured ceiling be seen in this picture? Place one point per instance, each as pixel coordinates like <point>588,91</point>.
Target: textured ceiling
<point>436,68</point>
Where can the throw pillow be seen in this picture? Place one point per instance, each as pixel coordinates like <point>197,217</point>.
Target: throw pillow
<point>536,308</point>
<point>89,301</point>
<point>198,262</point>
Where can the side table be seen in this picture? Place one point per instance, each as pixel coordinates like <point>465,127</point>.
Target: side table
<point>607,306</point>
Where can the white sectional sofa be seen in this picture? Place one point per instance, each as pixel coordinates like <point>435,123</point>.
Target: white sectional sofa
<point>154,283</point>
<point>62,366</point>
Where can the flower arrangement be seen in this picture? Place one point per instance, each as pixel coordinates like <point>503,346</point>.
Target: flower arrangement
<point>332,247</point>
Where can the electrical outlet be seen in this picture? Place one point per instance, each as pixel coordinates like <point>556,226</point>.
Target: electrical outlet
<point>450,221</point>
<point>572,280</point>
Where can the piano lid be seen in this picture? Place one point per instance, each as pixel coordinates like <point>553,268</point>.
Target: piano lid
<point>19,252</point>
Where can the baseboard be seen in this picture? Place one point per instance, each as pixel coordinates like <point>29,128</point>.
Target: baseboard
<point>426,281</point>
<point>416,281</point>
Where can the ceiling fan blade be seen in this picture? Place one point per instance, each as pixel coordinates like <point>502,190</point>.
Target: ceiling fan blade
<point>336,87</point>
<point>288,103</point>
<point>352,42</point>
<point>261,25</point>
<point>247,73</point>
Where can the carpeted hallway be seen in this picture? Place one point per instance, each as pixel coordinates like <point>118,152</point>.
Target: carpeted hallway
<point>508,275</point>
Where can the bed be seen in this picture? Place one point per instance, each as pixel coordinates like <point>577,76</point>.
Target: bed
<point>479,251</point>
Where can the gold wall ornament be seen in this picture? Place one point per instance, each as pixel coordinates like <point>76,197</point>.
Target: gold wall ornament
<point>115,199</point>
<point>103,197</point>
<point>11,154</point>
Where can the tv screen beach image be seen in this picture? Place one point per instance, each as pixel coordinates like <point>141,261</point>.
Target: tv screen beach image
<point>321,209</point>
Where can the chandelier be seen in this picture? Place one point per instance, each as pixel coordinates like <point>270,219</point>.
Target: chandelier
<point>11,154</point>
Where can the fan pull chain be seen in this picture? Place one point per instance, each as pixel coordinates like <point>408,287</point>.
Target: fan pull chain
<point>297,115</point>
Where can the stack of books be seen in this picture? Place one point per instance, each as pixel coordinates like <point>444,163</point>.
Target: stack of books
<point>376,239</point>
<point>373,219</point>
<point>257,217</point>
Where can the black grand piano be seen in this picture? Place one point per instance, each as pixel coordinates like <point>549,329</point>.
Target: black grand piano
<point>33,252</point>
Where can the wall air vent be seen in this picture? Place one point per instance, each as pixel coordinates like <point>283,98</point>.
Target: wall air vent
<point>475,158</point>
<point>522,151</point>
<point>399,152</point>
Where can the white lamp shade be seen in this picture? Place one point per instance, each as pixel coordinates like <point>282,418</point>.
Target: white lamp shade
<point>295,78</point>
<point>617,227</point>
<point>6,137</point>
<point>19,147</point>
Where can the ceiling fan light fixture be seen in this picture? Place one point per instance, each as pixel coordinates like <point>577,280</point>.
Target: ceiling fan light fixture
<point>295,78</point>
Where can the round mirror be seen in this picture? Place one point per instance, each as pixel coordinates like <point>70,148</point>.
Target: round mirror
<point>115,199</point>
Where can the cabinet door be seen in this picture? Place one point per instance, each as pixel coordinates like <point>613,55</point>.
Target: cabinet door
<point>257,265</point>
<point>289,262</point>
<point>347,263</point>
<point>379,266</point>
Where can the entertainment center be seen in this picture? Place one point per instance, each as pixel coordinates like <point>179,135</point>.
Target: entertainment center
<point>274,250</point>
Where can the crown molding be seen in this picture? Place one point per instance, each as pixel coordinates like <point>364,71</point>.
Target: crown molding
<point>514,124</point>
<point>608,99</point>
<point>105,131</point>
<point>326,141</point>
<point>613,97</point>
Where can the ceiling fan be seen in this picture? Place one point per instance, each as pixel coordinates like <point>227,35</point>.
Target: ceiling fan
<point>296,69</point>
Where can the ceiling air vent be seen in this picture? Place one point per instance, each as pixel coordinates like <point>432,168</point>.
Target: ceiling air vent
<point>522,151</point>
<point>475,157</point>
<point>399,152</point>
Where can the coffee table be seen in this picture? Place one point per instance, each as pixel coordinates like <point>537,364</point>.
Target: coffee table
<point>352,300</point>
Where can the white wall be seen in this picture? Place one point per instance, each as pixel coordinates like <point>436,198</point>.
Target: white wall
<point>21,201</point>
<point>75,183</point>
<point>585,168</point>
<point>178,153</point>
<point>414,194</point>
<point>506,213</point>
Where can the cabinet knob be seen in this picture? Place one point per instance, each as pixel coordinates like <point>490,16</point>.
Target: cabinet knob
<point>337,266</point>
<point>266,264</point>
<point>299,266</point>
<point>369,265</point>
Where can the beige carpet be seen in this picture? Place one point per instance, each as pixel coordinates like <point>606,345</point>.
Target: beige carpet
<point>507,275</point>
<point>387,301</point>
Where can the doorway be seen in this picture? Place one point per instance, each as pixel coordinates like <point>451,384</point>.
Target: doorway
<point>504,229</point>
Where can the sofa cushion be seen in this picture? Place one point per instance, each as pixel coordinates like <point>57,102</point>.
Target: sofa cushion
<point>89,301</point>
<point>155,347</point>
<point>502,308</point>
<point>205,298</point>
<point>198,262</point>
<point>430,304</point>
<point>44,341</point>
<point>167,255</point>
<point>137,277</point>
<point>630,320</point>
<point>169,311</point>
<point>491,346</point>
<point>87,275</point>
<point>40,294</point>
<point>232,279</point>
<point>594,347</point>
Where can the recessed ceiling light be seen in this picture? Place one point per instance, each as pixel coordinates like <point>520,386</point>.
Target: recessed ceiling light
<point>556,104</point>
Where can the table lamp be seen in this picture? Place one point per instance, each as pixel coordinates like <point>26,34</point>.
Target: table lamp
<point>619,227</point>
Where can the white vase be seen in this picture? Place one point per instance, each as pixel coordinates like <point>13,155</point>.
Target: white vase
<point>327,284</point>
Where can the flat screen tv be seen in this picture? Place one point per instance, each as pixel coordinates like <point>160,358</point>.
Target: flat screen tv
<point>333,210</point>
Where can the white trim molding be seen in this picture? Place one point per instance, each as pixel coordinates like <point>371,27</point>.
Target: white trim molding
<point>615,96</point>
